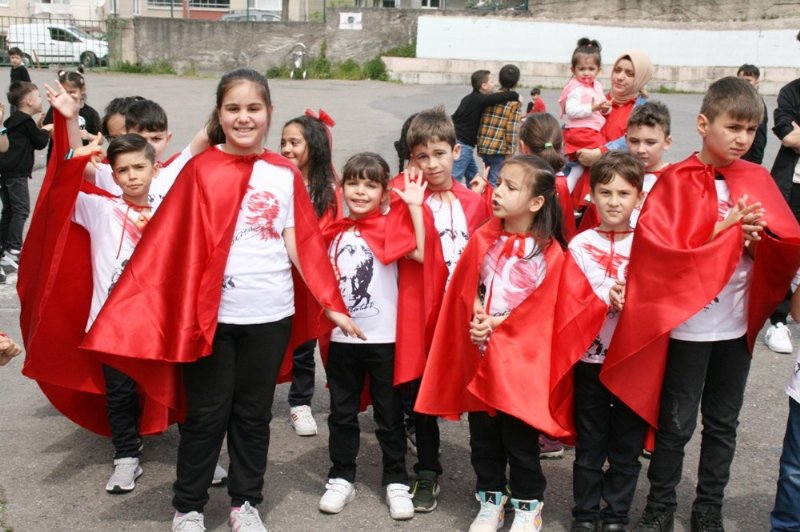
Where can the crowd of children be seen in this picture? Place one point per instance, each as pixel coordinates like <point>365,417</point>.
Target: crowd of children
<point>416,288</point>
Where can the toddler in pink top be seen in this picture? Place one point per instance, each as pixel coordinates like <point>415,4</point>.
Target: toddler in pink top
<point>582,101</point>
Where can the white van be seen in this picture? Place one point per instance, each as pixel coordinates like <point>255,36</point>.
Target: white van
<point>57,42</point>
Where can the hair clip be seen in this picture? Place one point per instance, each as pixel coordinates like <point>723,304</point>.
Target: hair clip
<point>323,117</point>
<point>548,145</point>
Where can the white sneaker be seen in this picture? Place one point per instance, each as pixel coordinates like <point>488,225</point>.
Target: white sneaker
<point>191,522</point>
<point>527,516</point>
<point>220,476</point>
<point>338,494</point>
<point>492,514</point>
<point>302,421</point>
<point>399,500</point>
<point>246,519</point>
<point>778,338</point>
<point>123,480</point>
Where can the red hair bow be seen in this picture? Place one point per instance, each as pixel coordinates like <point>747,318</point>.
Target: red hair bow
<point>323,117</point>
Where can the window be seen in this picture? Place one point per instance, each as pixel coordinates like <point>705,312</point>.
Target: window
<point>58,34</point>
<point>193,4</point>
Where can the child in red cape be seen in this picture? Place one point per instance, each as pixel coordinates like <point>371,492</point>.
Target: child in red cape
<point>64,283</point>
<point>705,296</point>
<point>452,213</point>
<point>365,248</point>
<point>485,357</point>
<point>306,141</point>
<point>648,137</point>
<point>214,269</point>
<point>586,316</point>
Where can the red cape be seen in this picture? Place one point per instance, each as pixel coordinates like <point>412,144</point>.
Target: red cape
<point>513,375</point>
<point>422,286</point>
<point>579,316</point>
<point>55,289</point>
<point>674,271</point>
<point>567,207</point>
<point>165,304</point>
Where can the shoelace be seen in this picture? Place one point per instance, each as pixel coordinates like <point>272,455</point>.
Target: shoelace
<point>248,516</point>
<point>335,486</point>
<point>711,521</point>
<point>191,521</point>
<point>490,511</point>
<point>423,484</point>
<point>653,517</point>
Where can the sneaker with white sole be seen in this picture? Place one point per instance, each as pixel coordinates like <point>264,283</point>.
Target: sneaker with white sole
<point>338,494</point>
<point>191,522</point>
<point>527,516</point>
<point>398,498</point>
<point>246,519</point>
<point>123,480</point>
<point>302,420</point>
<point>220,476</point>
<point>779,338</point>
<point>8,265</point>
<point>492,514</point>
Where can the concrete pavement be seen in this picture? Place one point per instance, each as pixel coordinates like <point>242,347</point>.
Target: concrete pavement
<point>53,473</point>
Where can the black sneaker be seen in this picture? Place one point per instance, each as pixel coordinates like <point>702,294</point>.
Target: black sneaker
<point>584,526</point>
<point>655,519</point>
<point>710,521</point>
<point>425,491</point>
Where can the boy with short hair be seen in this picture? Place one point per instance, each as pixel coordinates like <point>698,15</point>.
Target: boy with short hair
<point>536,105</point>
<point>148,119</point>
<point>16,166</point>
<point>755,154</point>
<point>592,294</point>
<point>467,120</point>
<point>499,128</point>
<point>456,213</point>
<point>648,137</point>
<point>706,274</point>
<point>18,70</point>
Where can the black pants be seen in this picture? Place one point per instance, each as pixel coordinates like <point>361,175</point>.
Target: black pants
<point>302,388</point>
<point>230,392</point>
<point>607,430</point>
<point>122,408</point>
<point>16,208</point>
<point>500,441</point>
<point>347,366</point>
<point>711,375</point>
<point>426,429</point>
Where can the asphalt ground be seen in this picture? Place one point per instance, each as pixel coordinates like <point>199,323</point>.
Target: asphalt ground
<point>53,473</point>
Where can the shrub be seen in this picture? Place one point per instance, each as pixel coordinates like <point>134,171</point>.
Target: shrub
<point>408,50</point>
<point>348,69</point>
<point>375,69</point>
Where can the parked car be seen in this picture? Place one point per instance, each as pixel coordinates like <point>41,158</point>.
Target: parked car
<point>253,15</point>
<point>57,42</point>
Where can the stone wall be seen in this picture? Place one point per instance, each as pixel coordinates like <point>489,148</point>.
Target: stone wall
<point>216,47</point>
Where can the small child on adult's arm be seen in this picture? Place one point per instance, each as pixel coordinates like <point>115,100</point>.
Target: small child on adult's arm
<point>583,104</point>
<point>8,349</point>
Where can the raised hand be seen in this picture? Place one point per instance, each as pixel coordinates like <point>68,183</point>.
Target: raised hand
<point>414,186</point>
<point>61,100</point>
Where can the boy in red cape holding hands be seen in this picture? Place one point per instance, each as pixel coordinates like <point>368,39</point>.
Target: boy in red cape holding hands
<point>715,250</point>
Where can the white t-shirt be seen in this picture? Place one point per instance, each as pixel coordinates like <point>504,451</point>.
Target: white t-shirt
<point>725,316</point>
<point>104,179</point>
<point>647,186</point>
<point>451,223</point>
<point>160,185</point>
<point>368,287</point>
<point>166,177</point>
<point>115,229</point>
<point>506,281</point>
<point>257,285</point>
<point>593,254</point>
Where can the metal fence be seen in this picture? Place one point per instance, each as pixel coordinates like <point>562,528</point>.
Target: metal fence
<point>54,41</point>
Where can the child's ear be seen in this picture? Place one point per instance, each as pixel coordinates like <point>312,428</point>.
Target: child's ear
<point>523,148</point>
<point>668,142</point>
<point>169,136</point>
<point>536,204</point>
<point>456,151</point>
<point>703,124</point>
<point>640,199</point>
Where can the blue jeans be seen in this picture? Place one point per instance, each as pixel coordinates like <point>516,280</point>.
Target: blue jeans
<point>786,514</point>
<point>493,161</point>
<point>465,167</point>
